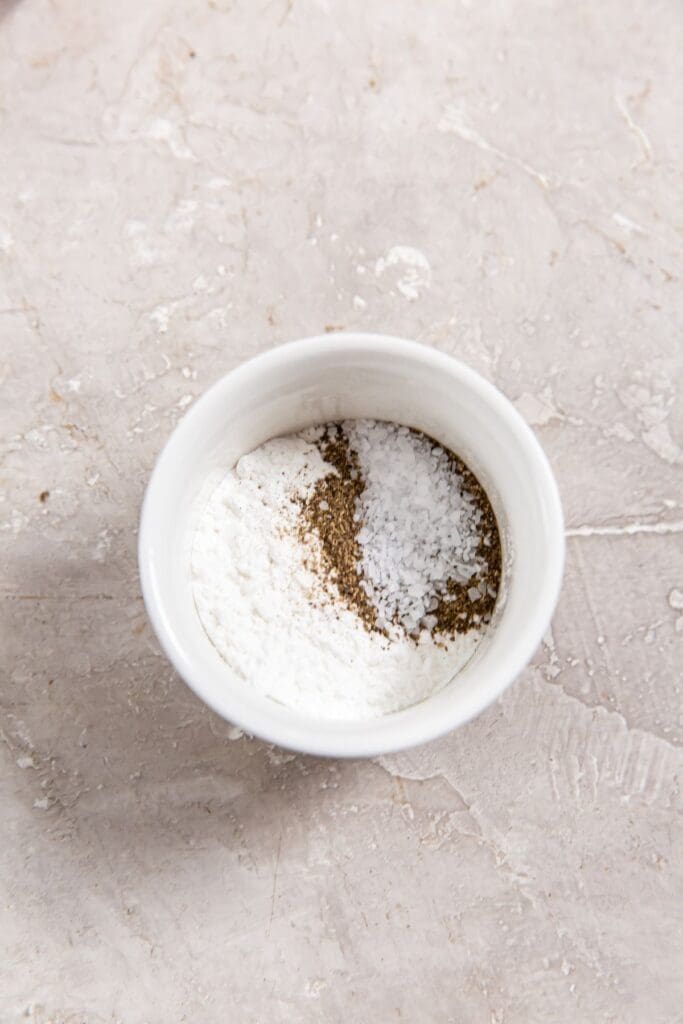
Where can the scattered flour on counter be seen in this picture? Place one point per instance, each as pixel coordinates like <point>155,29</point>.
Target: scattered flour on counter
<point>264,607</point>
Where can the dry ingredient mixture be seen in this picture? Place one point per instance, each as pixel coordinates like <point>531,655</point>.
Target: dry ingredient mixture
<point>349,570</point>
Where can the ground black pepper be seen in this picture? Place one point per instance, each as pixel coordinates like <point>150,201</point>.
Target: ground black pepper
<point>330,511</point>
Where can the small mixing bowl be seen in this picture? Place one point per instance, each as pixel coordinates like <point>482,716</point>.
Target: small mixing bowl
<point>337,377</point>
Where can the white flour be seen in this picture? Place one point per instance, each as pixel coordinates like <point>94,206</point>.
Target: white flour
<point>270,617</point>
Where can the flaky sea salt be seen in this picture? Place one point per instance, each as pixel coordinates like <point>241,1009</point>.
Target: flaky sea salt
<point>420,526</point>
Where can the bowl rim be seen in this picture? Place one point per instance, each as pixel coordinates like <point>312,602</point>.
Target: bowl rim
<point>408,733</point>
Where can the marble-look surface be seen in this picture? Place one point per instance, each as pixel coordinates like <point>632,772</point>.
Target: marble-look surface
<point>183,185</point>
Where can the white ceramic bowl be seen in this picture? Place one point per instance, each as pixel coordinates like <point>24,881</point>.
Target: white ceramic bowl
<point>336,377</point>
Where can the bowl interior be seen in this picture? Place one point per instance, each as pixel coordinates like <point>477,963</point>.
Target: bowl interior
<point>346,377</point>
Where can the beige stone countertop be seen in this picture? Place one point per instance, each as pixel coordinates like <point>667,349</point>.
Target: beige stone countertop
<point>183,185</point>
